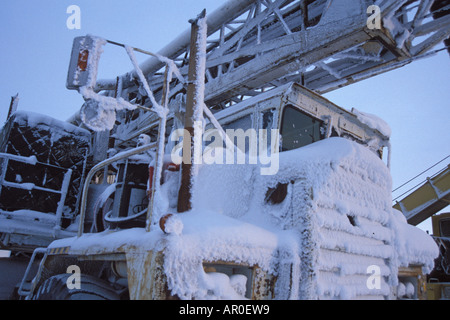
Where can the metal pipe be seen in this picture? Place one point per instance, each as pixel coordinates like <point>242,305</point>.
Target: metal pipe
<point>99,166</point>
<point>194,110</point>
<point>62,200</point>
<point>159,161</point>
<point>32,160</point>
<point>225,13</point>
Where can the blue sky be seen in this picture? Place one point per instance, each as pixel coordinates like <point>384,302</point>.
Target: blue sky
<point>36,46</point>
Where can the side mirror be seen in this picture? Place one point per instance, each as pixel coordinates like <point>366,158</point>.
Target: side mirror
<point>83,67</point>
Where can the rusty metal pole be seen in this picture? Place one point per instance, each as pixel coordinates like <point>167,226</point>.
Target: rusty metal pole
<point>194,99</point>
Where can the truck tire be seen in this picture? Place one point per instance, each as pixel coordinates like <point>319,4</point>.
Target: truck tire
<point>91,288</point>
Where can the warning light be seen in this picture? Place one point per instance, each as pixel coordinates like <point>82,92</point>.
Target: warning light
<point>83,60</point>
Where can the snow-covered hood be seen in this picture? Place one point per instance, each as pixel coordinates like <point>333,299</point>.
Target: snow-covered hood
<point>231,221</point>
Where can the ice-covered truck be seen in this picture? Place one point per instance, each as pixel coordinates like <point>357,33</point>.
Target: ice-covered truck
<point>43,164</point>
<point>322,226</point>
<point>214,174</point>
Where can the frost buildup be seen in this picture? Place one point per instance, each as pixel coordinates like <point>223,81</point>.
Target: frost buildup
<point>334,225</point>
<point>199,94</point>
<point>373,122</point>
<point>83,68</point>
<point>47,149</point>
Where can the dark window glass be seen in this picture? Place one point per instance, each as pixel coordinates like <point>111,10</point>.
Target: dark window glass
<point>445,227</point>
<point>299,129</point>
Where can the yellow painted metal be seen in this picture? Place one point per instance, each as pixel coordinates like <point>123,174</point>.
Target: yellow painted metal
<point>437,225</point>
<point>438,291</point>
<point>428,199</point>
<point>415,274</point>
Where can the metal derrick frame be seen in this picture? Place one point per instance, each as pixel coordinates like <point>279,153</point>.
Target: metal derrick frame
<point>255,45</point>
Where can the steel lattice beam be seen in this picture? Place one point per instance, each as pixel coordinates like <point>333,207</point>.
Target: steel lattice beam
<point>321,44</point>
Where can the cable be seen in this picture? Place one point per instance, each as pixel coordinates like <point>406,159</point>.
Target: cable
<point>421,173</point>
<point>422,182</point>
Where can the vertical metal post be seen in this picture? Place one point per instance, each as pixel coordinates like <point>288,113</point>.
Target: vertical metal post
<point>195,79</point>
<point>64,191</point>
<point>13,105</point>
<point>77,205</point>
<point>159,159</point>
<point>4,167</point>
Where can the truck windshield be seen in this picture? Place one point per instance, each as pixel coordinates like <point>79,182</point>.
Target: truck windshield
<point>299,129</point>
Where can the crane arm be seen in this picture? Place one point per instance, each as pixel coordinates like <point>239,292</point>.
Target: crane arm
<point>254,45</point>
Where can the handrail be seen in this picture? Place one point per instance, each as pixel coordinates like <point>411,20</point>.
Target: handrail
<point>21,290</point>
<point>30,160</point>
<point>117,157</point>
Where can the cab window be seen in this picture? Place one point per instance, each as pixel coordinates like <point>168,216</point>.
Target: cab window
<point>445,227</point>
<point>299,129</point>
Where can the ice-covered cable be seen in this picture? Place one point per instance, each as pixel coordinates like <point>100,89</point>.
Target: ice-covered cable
<point>173,67</point>
<point>156,106</point>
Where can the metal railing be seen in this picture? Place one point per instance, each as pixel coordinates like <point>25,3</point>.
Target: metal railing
<point>99,166</point>
<point>32,161</point>
<point>27,293</point>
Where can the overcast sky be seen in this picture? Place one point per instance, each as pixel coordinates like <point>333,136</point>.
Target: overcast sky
<point>36,46</point>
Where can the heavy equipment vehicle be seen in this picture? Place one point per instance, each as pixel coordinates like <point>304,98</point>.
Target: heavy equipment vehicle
<point>318,226</point>
<point>438,285</point>
<point>425,200</point>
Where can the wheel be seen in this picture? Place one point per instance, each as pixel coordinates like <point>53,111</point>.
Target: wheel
<point>91,288</point>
